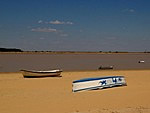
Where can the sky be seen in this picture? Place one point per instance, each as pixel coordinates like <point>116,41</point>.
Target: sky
<point>75,25</point>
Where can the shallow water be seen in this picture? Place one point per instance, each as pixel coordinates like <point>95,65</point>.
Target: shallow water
<point>72,62</point>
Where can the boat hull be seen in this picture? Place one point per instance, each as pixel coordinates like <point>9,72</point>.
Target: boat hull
<point>98,83</point>
<point>36,74</point>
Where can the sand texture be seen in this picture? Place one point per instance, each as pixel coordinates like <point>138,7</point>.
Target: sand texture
<point>54,94</point>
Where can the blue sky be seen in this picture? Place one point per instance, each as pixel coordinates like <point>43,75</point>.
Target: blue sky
<point>75,25</point>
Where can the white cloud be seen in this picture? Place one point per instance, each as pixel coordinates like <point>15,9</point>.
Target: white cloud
<point>64,35</point>
<point>42,38</point>
<point>56,22</point>
<point>60,22</point>
<point>40,21</point>
<point>129,10</point>
<point>44,30</point>
<point>69,23</point>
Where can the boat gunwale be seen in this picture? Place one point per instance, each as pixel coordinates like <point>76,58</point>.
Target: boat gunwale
<point>32,71</point>
<point>96,78</point>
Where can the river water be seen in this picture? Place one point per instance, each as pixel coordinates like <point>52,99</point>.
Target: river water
<point>10,62</point>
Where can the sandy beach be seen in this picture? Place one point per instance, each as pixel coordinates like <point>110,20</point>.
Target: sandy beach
<point>54,94</point>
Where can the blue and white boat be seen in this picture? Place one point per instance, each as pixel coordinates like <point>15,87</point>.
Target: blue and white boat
<point>98,83</point>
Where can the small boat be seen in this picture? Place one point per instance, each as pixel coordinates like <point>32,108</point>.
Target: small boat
<point>35,74</point>
<point>141,61</point>
<point>98,83</point>
<point>105,67</point>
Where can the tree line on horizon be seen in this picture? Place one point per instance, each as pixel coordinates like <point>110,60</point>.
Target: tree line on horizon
<point>19,50</point>
<point>10,50</point>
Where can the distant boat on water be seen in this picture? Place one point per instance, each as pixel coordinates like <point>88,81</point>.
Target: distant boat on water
<point>141,61</point>
<point>105,67</point>
<point>35,74</point>
<point>98,83</point>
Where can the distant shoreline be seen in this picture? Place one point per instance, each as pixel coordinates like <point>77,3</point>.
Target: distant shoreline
<point>20,51</point>
<point>74,71</point>
<point>71,52</point>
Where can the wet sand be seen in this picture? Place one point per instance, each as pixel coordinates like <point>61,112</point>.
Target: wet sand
<point>54,95</point>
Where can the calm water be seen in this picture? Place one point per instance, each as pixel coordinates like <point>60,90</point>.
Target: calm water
<point>72,62</point>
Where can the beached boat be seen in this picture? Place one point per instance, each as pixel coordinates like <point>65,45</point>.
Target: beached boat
<point>98,83</point>
<point>33,73</point>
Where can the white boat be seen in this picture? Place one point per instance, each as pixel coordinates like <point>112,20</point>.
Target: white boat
<point>33,73</point>
<point>141,61</point>
<point>98,83</point>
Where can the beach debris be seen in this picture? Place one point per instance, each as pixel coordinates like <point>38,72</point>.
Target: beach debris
<point>105,67</point>
<point>98,83</point>
<point>141,61</point>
